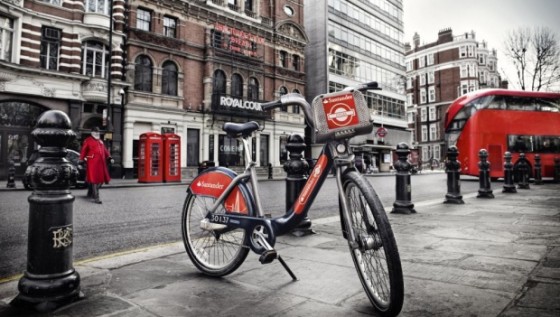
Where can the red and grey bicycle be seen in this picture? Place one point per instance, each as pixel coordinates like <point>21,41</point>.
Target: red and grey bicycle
<point>223,217</point>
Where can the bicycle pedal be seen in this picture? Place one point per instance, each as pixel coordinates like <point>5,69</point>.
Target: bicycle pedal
<point>268,256</point>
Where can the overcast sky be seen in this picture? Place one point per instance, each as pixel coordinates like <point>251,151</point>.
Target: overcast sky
<point>491,20</point>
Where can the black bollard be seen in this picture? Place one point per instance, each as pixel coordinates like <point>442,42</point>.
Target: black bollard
<point>453,169</point>
<point>509,186</point>
<point>269,171</point>
<point>523,170</point>
<point>297,170</point>
<point>403,204</point>
<point>556,178</point>
<point>485,190</point>
<point>50,280</point>
<point>538,170</point>
<point>11,175</point>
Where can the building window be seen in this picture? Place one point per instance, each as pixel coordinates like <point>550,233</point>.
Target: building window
<point>424,133</point>
<point>408,66</point>
<point>464,71</point>
<point>217,39</point>
<point>50,48</point>
<point>249,5</point>
<point>464,88</point>
<point>431,94</point>
<point>409,83</point>
<point>170,27</point>
<point>219,85</point>
<point>409,100</point>
<point>432,113</point>
<point>431,77</point>
<point>410,117</point>
<point>283,59</point>
<point>423,96</point>
<point>422,79</point>
<point>193,146</point>
<point>421,61</point>
<point>295,62</point>
<point>437,155</point>
<point>264,139</point>
<point>97,6</point>
<point>430,59</point>
<point>283,91</point>
<point>423,115</point>
<point>253,89</point>
<point>144,20</point>
<point>143,74</point>
<point>169,79</point>
<point>230,151</point>
<point>463,51</point>
<point>95,59</point>
<point>236,86</point>
<point>6,35</point>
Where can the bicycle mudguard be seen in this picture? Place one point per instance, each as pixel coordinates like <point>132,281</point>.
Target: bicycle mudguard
<point>215,180</point>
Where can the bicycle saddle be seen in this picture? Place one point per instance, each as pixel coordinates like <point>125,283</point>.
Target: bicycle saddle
<point>236,130</point>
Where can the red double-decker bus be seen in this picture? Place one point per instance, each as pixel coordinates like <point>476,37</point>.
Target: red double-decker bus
<point>500,120</point>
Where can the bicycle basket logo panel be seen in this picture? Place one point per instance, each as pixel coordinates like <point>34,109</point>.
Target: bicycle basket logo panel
<point>213,184</point>
<point>340,111</point>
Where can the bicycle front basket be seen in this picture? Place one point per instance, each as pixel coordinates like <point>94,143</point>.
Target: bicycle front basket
<point>341,115</point>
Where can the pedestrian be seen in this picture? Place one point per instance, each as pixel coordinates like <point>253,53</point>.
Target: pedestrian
<point>96,157</point>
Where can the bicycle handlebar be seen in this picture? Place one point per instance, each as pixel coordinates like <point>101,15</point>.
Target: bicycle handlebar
<point>299,100</point>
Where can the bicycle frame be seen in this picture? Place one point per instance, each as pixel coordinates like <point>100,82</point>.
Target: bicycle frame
<point>283,224</point>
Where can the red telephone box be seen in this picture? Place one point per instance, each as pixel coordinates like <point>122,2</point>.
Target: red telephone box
<point>171,157</point>
<point>150,158</point>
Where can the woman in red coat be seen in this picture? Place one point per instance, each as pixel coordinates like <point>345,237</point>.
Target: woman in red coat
<point>95,155</point>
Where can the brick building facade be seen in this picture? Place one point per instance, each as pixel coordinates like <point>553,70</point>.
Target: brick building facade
<point>175,66</point>
<point>56,55</point>
<point>194,65</point>
<point>437,73</point>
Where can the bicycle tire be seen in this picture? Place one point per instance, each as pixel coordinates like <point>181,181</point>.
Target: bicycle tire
<point>214,255</point>
<point>376,259</point>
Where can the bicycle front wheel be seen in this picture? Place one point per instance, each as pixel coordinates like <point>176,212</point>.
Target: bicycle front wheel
<point>374,252</point>
<point>214,253</point>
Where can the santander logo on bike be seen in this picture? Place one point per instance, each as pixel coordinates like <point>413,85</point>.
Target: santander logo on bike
<point>210,185</point>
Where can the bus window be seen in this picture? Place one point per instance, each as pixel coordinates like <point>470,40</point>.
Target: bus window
<point>520,103</point>
<point>547,144</point>
<point>497,103</point>
<point>550,105</point>
<point>520,143</point>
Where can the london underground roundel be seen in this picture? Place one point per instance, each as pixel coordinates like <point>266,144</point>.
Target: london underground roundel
<point>340,111</point>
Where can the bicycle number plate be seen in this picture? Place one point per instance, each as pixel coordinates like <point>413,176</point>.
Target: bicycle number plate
<point>341,115</point>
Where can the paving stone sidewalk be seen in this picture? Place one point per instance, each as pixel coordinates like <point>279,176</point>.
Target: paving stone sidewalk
<point>488,257</point>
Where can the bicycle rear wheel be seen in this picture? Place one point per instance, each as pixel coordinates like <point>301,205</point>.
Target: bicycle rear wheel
<point>376,257</point>
<point>213,253</point>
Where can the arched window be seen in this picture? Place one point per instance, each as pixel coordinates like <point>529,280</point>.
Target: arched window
<point>219,85</point>
<point>236,86</point>
<point>143,73</point>
<point>253,89</point>
<point>169,79</point>
<point>95,59</point>
<point>283,91</point>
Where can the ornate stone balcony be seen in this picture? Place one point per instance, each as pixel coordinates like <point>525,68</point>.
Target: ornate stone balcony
<point>95,90</point>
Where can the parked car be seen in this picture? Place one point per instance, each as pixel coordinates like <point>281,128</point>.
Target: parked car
<point>73,157</point>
